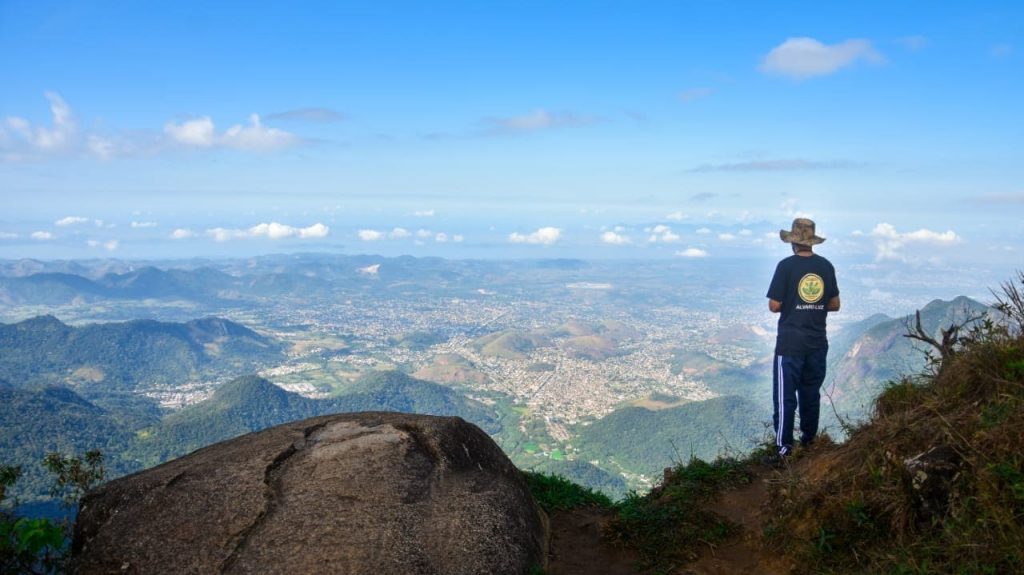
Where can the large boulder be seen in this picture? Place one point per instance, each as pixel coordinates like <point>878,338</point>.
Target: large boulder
<point>374,493</point>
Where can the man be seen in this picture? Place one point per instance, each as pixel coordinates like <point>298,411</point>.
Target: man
<point>803,291</point>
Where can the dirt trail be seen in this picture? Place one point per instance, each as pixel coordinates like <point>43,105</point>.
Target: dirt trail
<point>578,549</point>
<point>742,553</point>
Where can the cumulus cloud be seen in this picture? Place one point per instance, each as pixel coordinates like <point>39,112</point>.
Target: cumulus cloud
<point>692,253</point>
<point>421,233</point>
<point>889,242</point>
<point>60,135</point>
<point>615,239</point>
<point>441,237</point>
<point>424,213</point>
<point>370,235</point>
<point>458,238</point>
<point>201,133</point>
<point>536,121</point>
<point>22,140</point>
<point>70,221</point>
<point>272,230</point>
<point>693,94</point>
<point>544,236</point>
<point>42,236</point>
<point>399,233</point>
<point>198,132</point>
<point>806,57</point>
<point>703,231</point>
<point>144,224</point>
<point>726,237</point>
<point>662,233</point>
<point>182,234</point>
<point>676,216</point>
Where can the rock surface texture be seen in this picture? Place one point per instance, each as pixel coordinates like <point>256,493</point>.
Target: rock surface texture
<point>356,493</point>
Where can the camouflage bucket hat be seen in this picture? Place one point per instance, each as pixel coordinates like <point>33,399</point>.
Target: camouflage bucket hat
<point>802,233</point>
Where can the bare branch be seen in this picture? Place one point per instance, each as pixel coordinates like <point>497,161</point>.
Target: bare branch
<point>951,337</point>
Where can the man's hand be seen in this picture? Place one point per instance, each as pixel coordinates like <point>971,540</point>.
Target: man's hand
<point>833,304</point>
<point>776,306</point>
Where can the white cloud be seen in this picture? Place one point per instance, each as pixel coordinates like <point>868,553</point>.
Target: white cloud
<point>615,239</point>
<point>61,135</point>
<point>271,230</point>
<point>726,237</point>
<point>806,57</point>
<point>889,242</point>
<point>543,236</point>
<point>441,237</point>
<point>746,232</point>
<point>276,231</point>
<point>676,216</point>
<point>536,121</point>
<point>8,235</point>
<point>257,137</point>
<point>399,233</point>
<point>703,231</point>
<point>202,133</point>
<point>424,213</point>
<point>370,235</point>
<point>458,238</point>
<point>662,233</point>
<point>70,221</point>
<point>144,224</point>
<point>182,234</point>
<point>198,132</point>
<point>42,236</point>
<point>110,245</point>
<point>692,253</point>
<point>421,233</point>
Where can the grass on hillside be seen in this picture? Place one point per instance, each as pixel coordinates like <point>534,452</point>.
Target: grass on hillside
<point>556,493</point>
<point>865,507</point>
<point>666,526</point>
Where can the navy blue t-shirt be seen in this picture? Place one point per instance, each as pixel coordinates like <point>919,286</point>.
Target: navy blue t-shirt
<point>804,285</point>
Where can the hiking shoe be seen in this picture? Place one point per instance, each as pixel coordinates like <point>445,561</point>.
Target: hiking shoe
<point>775,460</point>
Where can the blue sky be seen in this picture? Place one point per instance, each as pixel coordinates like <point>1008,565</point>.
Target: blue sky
<point>519,129</point>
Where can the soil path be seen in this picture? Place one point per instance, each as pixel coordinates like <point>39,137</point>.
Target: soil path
<point>742,553</point>
<point>577,547</point>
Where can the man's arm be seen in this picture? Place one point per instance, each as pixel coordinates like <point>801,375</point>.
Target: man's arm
<point>776,306</point>
<point>833,304</point>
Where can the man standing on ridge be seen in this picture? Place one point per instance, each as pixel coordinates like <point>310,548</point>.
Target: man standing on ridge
<point>803,291</point>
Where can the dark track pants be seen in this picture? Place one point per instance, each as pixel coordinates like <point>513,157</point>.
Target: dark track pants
<point>797,382</point>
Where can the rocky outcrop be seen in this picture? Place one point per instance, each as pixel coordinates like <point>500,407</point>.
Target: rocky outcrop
<point>374,493</point>
<point>932,474</point>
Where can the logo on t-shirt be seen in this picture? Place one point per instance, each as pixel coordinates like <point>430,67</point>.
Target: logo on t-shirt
<point>811,288</point>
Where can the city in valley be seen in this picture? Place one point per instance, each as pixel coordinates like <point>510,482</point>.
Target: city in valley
<point>571,357</point>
